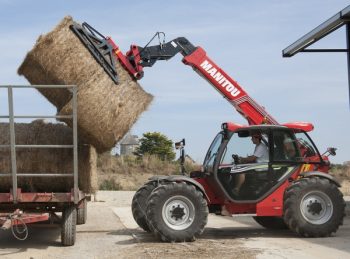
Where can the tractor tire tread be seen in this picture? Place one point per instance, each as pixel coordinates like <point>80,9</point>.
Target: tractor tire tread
<point>154,209</point>
<point>291,208</point>
<point>139,205</point>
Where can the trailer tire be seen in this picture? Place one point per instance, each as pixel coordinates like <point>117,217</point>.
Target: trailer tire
<point>314,207</point>
<point>270,222</point>
<point>139,205</point>
<point>68,227</point>
<point>82,213</point>
<point>177,212</point>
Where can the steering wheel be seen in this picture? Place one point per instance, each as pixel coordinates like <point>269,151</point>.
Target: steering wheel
<point>235,158</point>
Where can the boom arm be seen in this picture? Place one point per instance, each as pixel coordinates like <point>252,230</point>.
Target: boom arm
<point>230,89</point>
<point>196,57</point>
<point>104,50</point>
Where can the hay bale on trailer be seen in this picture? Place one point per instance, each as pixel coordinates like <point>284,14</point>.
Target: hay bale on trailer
<point>47,160</point>
<point>106,110</point>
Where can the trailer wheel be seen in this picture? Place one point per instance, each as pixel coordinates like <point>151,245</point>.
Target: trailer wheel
<point>177,212</point>
<point>68,228</point>
<point>139,205</point>
<point>271,222</point>
<point>314,207</point>
<point>82,213</point>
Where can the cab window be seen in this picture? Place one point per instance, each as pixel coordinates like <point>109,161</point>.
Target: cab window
<point>212,152</point>
<point>285,147</point>
<point>306,147</point>
<point>240,146</point>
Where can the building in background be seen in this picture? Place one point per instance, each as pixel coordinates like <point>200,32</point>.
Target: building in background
<point>128,144</point>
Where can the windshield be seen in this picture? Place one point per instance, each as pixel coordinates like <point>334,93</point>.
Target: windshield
<point>307,148</point>
<point>213,150</point>
<point>296,147</point>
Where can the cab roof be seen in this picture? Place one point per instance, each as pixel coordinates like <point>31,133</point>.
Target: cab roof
<point>296,126</point>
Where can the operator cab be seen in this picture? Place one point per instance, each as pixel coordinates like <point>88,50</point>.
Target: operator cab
<point>287,149</point>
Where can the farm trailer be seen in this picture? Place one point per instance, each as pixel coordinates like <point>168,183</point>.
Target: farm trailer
<point>18,208</point>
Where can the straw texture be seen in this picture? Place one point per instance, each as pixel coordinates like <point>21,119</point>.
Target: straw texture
<point>46,160</point>
<point>106,111</point>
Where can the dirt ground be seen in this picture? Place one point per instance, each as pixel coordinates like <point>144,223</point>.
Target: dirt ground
<point>111,232</point>
<point>345,187</point>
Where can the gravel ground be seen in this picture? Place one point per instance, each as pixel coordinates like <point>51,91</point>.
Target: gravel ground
<point>111,232</point>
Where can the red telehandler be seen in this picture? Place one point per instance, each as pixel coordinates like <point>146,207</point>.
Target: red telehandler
<point>292,189</point>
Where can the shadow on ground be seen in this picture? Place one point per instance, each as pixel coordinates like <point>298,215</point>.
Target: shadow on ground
<point>39,237</point>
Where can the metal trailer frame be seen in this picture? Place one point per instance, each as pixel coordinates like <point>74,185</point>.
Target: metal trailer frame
<point>32,200</point>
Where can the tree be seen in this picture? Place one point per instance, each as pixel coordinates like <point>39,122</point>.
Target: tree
<point>155,143</point>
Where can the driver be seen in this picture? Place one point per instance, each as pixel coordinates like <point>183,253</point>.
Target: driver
<point>261,154</point>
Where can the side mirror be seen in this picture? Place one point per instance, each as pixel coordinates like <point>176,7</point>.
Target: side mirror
<point>331,151</point>
<point>180,144</point>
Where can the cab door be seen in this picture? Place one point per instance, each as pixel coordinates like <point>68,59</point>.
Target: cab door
<point>259,178</point>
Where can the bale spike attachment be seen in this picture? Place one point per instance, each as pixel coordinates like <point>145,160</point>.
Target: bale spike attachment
<point>98,46</point>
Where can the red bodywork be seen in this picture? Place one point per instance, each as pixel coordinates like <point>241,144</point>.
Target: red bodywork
<point>272,205</point>
<point>22,218</point>
<point>33,201</point>
<point>230,89</point>
<point>36,197</point>
<point>200,62</point>
<point>247,107</point>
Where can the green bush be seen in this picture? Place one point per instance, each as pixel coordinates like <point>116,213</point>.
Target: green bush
<point>110,185</point>
<point>155,143</point>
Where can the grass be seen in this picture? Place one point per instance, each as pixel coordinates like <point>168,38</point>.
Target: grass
<point>340,171</point>
<point>110,185</point>
<point>130,172</point>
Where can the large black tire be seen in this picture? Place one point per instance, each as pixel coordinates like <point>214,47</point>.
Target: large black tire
<point>314,207</point>
<point>68,227</point>
<point>177,212</point>
<point>82,213</point>
<point>139,205</point>
<point>271,222</point>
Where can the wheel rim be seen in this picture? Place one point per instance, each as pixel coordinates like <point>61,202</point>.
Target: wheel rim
<point>316,207</point>
<point>178,212</point>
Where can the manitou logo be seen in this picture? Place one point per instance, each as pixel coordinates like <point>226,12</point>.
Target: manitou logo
<point>223,81</point>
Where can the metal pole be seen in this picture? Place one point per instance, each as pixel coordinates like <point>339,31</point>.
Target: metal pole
<point>75,144</point>
<point>348,54</point>
<point>12,144</point>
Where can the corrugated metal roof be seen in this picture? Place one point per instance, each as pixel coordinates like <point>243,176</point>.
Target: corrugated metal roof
<point>325,28</point>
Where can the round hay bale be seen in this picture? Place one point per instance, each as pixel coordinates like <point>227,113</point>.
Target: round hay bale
<point>59,58</point>
<point>106,112</point>
<point>50,62</point>
<point>46,160</point>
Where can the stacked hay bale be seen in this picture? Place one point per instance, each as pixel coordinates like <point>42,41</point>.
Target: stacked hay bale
<point>46,160</point>
<point>106,111</point>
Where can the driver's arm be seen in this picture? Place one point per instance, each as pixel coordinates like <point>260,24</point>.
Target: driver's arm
<point>245,160</point>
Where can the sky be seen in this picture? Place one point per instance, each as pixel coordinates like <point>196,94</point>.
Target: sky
<point>245,38</point>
